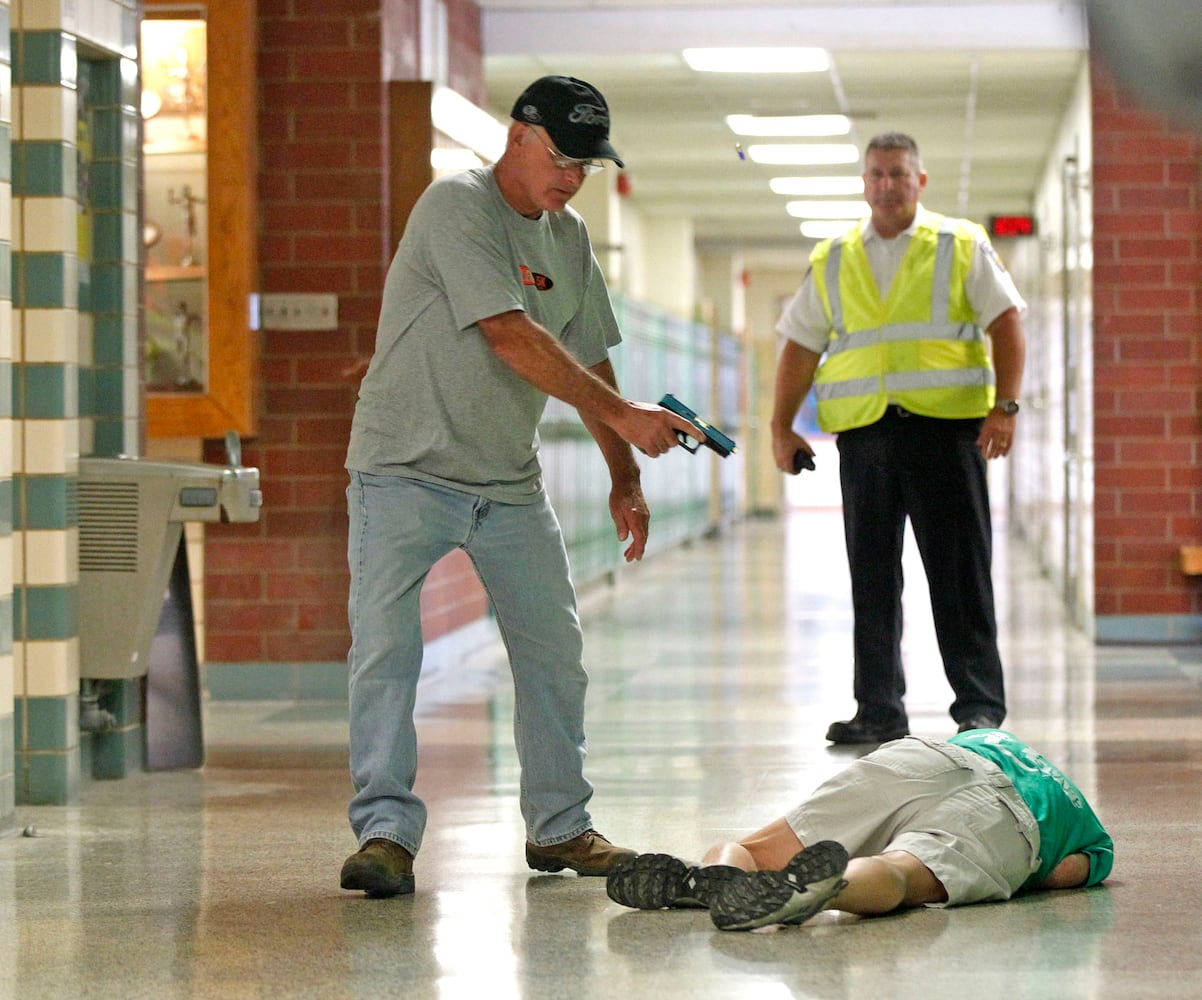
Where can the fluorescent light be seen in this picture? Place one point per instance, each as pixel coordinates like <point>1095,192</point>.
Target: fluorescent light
<point>816,185</point>
<point>450,160</point>
<point>457,117</point>
<point>761,60</point>
<point>828,209</point>
<point>789,124</point>
<point>812,154</point>
<point>825,229</point>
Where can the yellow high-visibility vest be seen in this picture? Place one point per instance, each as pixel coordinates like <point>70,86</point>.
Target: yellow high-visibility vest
<point>920,347</point>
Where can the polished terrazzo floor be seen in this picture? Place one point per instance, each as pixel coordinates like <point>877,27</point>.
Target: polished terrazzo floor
<point>715,671</point>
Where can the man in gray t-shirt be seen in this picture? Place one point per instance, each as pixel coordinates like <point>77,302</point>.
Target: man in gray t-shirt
<point>437,404</point>
<point>493,302</point>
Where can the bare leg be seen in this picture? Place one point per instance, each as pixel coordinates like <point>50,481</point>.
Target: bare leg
<point>769,848</point>
<point>875,885</point>
<point>886,882</point>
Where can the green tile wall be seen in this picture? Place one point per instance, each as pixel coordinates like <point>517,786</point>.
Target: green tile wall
<point>108,436</point>
<point>43,169</point>
<point>48,778</point>
<point>6,387</point>
<point>99,172</point>
<point>108,336</point>
<point>49,613</point>
<point>7,502</point>
<point>44,281</point>
<point>110,107</point>
<point>44,57</point>
<point>8,785</point>
<point>46,391</point>
<point>45,502</point>
<point>6,623</point>
<point>49,723</point>
<point>6,271</point>
<point>8,781</point>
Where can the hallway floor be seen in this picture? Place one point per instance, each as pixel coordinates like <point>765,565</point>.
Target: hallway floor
<point>715,671</point>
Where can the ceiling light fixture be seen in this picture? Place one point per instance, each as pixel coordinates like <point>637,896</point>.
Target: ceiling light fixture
<point>816,185</point>
<point>812,154</point>
<point>757,60</point>
<point>802,125</point>
<point>828,209</point>
<point>825,229</point>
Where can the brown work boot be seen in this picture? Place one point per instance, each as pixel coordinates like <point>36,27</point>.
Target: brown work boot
<point>381,868</point>
<point>588,854</point>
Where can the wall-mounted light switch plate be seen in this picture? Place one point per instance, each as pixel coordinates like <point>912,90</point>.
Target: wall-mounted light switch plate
<point>298,312</point>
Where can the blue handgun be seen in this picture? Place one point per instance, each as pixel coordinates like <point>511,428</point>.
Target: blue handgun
<point>714,438</point>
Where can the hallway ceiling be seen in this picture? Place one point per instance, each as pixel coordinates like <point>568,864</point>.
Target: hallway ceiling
<point>981,85</point>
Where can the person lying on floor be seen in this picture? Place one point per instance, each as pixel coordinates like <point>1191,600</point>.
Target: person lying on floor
<point>917,822</point>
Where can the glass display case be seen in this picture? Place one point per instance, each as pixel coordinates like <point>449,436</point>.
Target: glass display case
<point>199,137</point>
<point>175,226</point>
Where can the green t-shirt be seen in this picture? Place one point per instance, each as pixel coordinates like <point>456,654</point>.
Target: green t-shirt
<point>1067,823</point>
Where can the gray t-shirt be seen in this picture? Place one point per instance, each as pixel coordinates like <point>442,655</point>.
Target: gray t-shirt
<point>436,403</point>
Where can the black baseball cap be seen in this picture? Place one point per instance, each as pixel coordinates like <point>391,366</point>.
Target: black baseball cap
<point>574,114</point>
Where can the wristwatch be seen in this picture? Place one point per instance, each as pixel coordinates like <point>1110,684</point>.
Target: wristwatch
<point>1007,406</point>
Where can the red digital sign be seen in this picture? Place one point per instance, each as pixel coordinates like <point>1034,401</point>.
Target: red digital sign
<point>1011,225</point>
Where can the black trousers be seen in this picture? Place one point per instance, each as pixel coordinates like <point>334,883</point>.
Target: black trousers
<point>931,471</point>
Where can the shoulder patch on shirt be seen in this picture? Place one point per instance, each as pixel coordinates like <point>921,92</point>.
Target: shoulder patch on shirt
<point>540,281</point>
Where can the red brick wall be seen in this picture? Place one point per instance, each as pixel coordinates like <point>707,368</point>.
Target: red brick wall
<point>276,590</point>
<point>1147,192</point>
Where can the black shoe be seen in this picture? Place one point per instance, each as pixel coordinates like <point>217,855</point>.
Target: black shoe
<point>980,721</point>
<point>858,731</point>
<point>757,899</point>
<point>659,881</point>
<point>381,868</point>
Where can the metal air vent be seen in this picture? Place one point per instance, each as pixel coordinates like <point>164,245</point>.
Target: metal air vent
<point>108,527</point>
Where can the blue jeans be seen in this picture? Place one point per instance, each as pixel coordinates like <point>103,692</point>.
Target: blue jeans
<point>399,528</point>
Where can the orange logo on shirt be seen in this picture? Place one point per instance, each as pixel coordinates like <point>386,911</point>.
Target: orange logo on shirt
<point>536,280</point>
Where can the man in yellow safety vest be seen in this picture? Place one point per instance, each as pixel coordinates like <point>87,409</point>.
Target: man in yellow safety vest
<point>908,328</point>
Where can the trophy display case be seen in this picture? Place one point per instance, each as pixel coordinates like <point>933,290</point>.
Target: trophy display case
<point>199,178</point>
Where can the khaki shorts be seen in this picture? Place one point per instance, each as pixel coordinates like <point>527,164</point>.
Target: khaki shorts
<point>952,809</point>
